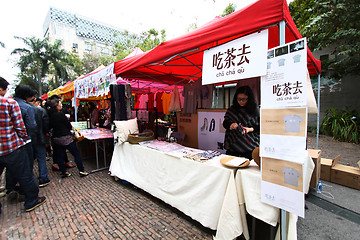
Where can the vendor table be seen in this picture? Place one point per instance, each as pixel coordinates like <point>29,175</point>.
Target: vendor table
<point>98,135</point>
<point>206,191</point>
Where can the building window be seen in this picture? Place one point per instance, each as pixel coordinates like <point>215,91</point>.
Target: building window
<point>105,50</point>
<point>75,47</point>
<point>88,47</point>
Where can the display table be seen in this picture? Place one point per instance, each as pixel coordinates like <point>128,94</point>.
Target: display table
<point>97,135</point>
<point>204,191</point>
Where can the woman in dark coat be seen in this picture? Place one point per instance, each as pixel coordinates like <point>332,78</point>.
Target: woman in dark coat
<point>62,137</point>
<point>242,124</point>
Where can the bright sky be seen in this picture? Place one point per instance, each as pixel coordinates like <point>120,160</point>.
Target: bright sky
<point>25,18</point>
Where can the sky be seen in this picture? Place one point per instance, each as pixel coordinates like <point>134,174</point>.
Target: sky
<point>25,18</point>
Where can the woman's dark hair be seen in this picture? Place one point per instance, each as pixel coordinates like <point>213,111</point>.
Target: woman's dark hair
<point>251,106</point>
<point>24,91</point>
<point>92,105</point>
<point>51,106</point>
<point>3,83</point>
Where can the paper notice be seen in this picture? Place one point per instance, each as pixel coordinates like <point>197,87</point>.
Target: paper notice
<point>236,161</point>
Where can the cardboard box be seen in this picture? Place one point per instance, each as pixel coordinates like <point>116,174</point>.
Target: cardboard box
<point>346,175</point>
<point>326,165</point>
<point>325,171</point>
<point>316,157</point>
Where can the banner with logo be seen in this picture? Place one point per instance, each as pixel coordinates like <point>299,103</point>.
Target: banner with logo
<point>241,58</point>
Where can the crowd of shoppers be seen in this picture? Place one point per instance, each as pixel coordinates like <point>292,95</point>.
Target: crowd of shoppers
<point>25,127</point>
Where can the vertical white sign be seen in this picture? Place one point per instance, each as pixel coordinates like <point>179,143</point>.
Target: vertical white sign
<point>241,58</point>
<point>283,127</point>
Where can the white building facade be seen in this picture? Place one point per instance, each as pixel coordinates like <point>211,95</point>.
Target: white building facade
<point>81,35</point>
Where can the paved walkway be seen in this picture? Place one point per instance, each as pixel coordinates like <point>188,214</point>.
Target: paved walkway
<point>96,207</point>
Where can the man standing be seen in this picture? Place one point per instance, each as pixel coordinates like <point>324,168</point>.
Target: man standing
<point>12,153</point>
<point>38,140</point>
<point>23,93</point>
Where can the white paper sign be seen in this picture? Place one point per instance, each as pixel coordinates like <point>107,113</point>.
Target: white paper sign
<point>283,183</point>
<point>285,83</point>
<point>241,58</point>
<point>283,198</point>
<point>283,132</point>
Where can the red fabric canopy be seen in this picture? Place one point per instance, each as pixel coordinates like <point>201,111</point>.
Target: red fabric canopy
<point>180,59</point>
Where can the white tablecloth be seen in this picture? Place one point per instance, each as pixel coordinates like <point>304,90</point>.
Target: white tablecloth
<point>208,192</point>
<point>204,191</point>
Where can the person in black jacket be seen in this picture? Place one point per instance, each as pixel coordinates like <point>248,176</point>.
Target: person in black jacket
<point>55,165</point>
<point>62,137</point>
<point>38,140</point>
<point>242,124</point>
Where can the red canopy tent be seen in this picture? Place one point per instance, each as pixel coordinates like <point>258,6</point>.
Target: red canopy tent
<point>180,59</point>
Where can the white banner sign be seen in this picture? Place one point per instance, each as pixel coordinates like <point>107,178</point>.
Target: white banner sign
<point>241,58</point>
<point>95,84</point>
<point>285,82</point>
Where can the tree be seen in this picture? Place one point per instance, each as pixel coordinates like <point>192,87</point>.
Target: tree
<point>33,59</point>
<point>57,59</point>
<point>151,39</point>
<point>147,41</point>
<point>40,58</point>
<point>2,44</point>
<point>334,25</point>
<point>229,9</point>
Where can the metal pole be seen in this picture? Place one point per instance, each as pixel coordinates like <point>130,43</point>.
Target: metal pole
<point>282,32</point>
<point>283,212</point>
<point>76,109</point>
<point>318,115</point>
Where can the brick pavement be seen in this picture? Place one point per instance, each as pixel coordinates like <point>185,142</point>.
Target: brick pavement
<point>96,207</point>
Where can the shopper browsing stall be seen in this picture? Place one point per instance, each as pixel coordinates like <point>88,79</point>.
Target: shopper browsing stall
<point>62,138</point>
<point>242,124</point>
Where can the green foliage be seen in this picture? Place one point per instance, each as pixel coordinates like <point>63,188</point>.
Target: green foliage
<point>331,24</point>
<point>151,39</point>
<point>147,41</point>
<point>229,9</point>
<point>191,27</point>
<point>342,125</point>
<point>38,59</point>
<point>124,47</point>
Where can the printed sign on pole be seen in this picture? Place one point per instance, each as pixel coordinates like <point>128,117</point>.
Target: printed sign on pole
<point>285,83</point>
<point>283,126</point>
<point>241,58</point>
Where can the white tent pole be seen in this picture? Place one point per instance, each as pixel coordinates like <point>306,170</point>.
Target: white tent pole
<point>318,115</point>
<point>282,32</point>
<point>283,212</point>
<point>75,109</point>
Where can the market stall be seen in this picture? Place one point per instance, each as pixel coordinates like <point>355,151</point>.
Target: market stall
<point>95,87</point>
<point>180,62</point>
